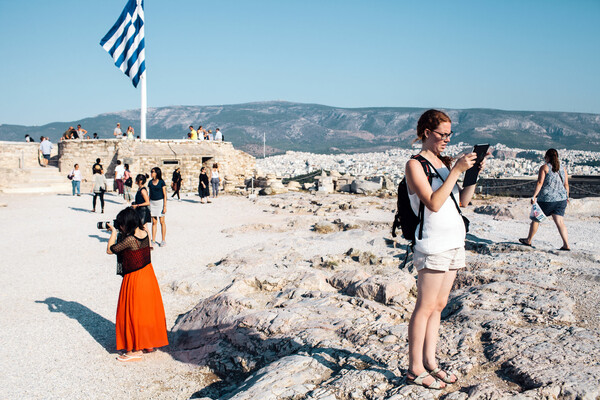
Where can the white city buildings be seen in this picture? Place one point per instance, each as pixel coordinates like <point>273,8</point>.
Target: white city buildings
<point>391,163</point>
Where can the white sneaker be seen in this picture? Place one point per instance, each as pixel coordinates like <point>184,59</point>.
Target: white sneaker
<point>163,244</point>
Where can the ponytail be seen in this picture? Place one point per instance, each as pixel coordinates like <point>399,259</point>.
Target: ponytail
<point>552,159</point>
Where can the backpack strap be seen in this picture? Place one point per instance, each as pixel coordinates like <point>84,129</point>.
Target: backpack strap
<point>442,179</point>
<point>426,168</point>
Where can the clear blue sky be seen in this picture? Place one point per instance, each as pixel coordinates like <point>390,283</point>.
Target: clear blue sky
<point>513,55</point>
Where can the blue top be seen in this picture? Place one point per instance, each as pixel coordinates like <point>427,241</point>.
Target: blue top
<point>156,192</point>
<point>46,147</point>
<point>553,188</point>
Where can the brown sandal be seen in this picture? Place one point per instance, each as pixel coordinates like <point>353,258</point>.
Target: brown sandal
<point>447,379</point>
<point>419,381</point>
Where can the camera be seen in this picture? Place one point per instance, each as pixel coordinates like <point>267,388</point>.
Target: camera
<point>104,224</point>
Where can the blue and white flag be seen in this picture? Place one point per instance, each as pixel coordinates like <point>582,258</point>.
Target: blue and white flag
<point>125,41</point>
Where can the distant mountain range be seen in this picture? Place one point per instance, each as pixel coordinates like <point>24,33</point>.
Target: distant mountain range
<point>323,129</point>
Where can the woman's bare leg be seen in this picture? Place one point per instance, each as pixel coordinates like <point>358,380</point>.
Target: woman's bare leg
<point>562,229</point>
<point>429,286</point>
<point>163,228</point>
<point>154,227</point>
<point>532,230</point>
<point>433,324</point>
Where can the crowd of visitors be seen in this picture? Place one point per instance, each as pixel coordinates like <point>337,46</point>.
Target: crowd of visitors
<point>150,199</point>
<point>205,134</point>
<point>80,133</point>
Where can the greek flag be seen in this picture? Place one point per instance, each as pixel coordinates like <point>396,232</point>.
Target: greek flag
<point>125,41</point>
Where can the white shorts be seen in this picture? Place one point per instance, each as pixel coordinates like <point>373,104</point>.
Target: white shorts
<point>444,261</point>
<point>156,208</point>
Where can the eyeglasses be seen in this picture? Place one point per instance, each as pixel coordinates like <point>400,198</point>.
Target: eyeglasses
<point>444,136</point>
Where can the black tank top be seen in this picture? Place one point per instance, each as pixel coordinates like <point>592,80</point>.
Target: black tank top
<point>139,198</point>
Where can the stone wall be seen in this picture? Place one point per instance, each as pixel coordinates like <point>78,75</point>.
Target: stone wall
<point>21,155</point>
<point>143,155</point>
<point>579,186</point>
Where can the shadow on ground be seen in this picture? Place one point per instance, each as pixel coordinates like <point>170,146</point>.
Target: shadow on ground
<point>101,329</point>
<point>100,238</point>
<point>85,210</point>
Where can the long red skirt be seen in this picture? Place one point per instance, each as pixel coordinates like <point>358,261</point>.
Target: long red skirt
<point>141,322</point>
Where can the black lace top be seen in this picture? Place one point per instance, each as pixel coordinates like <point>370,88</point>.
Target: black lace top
<point>134,253</point>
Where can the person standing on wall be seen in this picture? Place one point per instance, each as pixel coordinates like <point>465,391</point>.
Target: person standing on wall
<point>193,133</point>
<point>552,194</point>
<point>201,133</point>
<point>218,135</point>
<point>118,133</point>
<point>158,204</point>
<point>119,173</point>
<point>81,132</point>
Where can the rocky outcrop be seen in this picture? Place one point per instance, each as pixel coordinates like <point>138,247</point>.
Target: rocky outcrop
<point>295,322</point>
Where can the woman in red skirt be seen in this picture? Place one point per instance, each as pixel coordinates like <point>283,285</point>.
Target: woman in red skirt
<point>141,325</point>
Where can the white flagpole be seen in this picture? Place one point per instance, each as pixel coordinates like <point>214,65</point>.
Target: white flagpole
<point>143,108</point>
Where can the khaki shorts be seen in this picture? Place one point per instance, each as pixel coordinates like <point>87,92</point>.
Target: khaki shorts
<point>445,261</point>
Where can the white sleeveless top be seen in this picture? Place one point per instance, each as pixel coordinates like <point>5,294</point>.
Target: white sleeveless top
<point>443,230</point>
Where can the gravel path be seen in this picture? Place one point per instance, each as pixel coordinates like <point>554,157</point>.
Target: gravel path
<point>60,292</point>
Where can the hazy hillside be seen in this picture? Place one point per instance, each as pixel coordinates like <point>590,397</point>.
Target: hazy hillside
<point>323,129</point>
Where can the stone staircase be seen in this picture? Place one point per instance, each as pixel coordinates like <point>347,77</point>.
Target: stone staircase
<point>37,180</point>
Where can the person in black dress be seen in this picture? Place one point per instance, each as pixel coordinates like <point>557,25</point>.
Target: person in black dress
<point>176,183</point>
<point>203,190</point>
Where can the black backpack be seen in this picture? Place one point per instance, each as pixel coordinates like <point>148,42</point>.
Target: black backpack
<point>405,218</point>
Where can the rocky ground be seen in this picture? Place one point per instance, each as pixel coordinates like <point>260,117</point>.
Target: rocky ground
<point>300,296</point>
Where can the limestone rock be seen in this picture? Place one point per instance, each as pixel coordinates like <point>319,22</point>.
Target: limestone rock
<point>363,187</point>
<point>346,279</point>
<point>288,377</point>
<point>277,187</point>
<point>497,211</point>
<point>325,227</point>
<point>293,185</point>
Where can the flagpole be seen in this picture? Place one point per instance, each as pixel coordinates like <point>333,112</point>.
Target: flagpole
<point>143,108</point>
